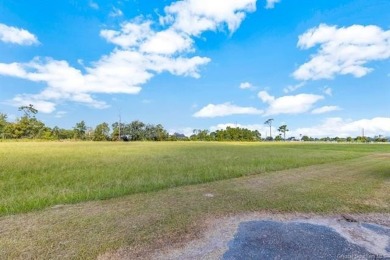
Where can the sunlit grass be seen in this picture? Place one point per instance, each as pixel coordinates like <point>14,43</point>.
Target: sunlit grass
<point>37,175</point>
<point>154,220</point>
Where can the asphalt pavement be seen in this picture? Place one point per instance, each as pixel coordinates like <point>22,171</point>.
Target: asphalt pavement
<point>294,240</point>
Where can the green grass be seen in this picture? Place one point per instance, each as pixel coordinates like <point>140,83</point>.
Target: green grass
<point>150,221</point>
<point>38,175</point>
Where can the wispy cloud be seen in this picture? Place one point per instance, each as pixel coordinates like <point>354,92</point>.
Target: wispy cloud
<point>60,114</point>
<point>116,12</point>
<point>325,109</point>
<point>328,91</point>
<point>292,88</point>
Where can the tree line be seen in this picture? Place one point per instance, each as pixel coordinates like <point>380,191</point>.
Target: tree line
<point>29,127</point>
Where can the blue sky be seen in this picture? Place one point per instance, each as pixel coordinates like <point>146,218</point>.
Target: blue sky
<point>321,67</point>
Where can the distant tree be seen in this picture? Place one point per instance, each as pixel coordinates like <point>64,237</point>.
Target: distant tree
<point>305,138</point>
<point>79,130</point>
<point>349,139</point>
<point>362,139</point>
<point>380,139</point>
<point>278,137</point>
<point>29,110</point>
<point>117,129</point>
<point>269,123</point>
<point>102,132</point>
<point>3,124</point>
<point>28,126</point>
<point>55,132</point>
<point>283,129</point>
<point>160,134</point>
<point>64,134</point>
<point>135,130</point>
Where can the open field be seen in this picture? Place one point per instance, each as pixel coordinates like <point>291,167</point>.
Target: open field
<point>165,191</point>
<point>37,175</point>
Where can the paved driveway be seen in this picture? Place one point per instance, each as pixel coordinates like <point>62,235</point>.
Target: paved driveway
<point>296,240</point>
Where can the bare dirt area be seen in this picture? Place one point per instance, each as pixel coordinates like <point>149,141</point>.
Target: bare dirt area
<point>369,232</point>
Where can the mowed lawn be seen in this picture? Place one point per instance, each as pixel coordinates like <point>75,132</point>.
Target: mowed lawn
<point>36,175</point>
<point>165,192</point>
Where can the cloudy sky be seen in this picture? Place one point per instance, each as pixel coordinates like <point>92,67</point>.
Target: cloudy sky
<point>321,67</point>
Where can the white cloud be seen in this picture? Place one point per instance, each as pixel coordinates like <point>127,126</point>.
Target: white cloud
<point>342,51</point>
<point>141,52</point>
<point>333,127</point>
<point>120,72</point>
<point>9,34</point>
<point>131,34</point>
<point>226,109</point>
<point>40,105</point>
<point>297,104</point>
<point>325,109</point>
<point>246,85</point>
<point>116,12</point>
<point>271,4</point>
<point>167,42</point>
<point>196,16</point>
<point>292,88</point>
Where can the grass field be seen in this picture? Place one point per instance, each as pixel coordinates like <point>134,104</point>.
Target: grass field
<point>159,188</point>
<point>37,175</point>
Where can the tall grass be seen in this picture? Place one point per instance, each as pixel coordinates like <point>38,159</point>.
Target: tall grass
<point>38,175</point>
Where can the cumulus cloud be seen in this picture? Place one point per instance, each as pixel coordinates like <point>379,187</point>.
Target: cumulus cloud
<point>342,51</point>
<point>325,109</point>
<point>10,34</point>
<point>168,42</point>
<point>246,85</point>
<point>343,128</point>
<point>271,4</point>
<point>196,16</point>
<point>297,104</point>
<point>141,52</point>
<point>226,109</point>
